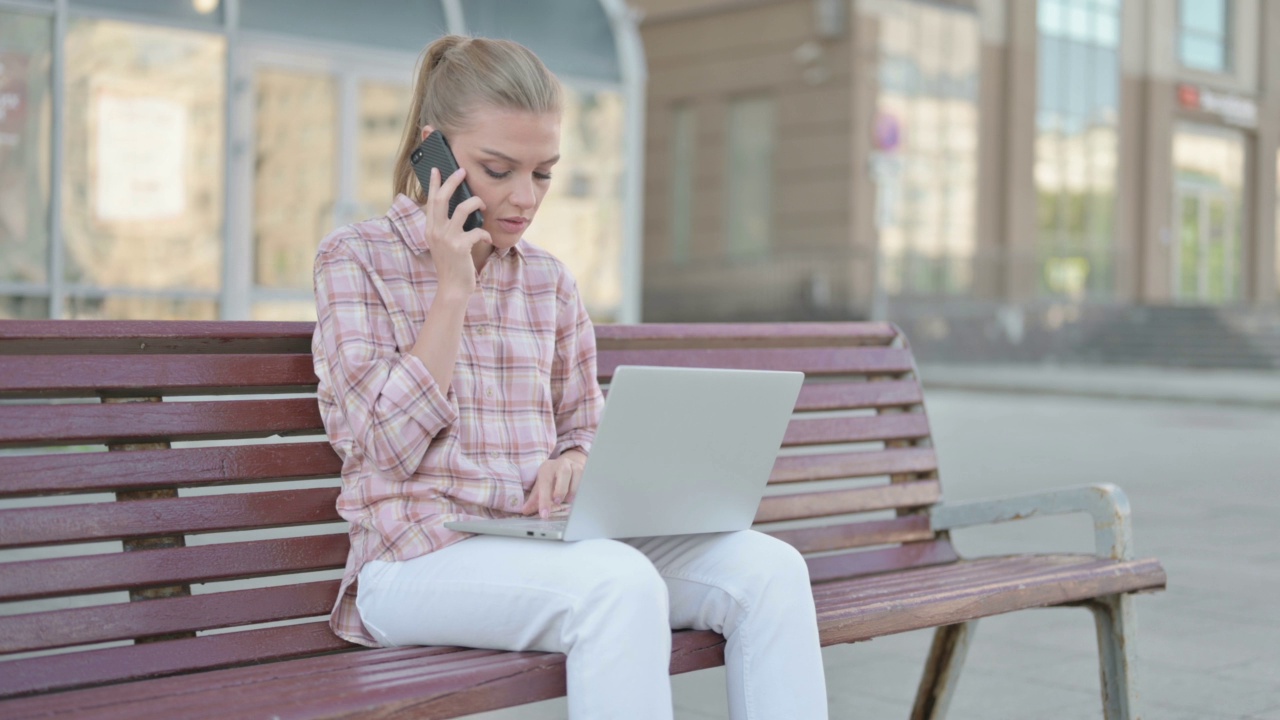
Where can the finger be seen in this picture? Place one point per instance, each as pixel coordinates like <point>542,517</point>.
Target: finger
<point>471,237</point>
<point>573,484</point>
<point>447,188</point>
<point>465,208</point>
<point>543,490</point>
<point>531,504</point>
<point>564,479</point>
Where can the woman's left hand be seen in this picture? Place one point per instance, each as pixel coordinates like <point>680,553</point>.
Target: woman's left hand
<point>556,484</point>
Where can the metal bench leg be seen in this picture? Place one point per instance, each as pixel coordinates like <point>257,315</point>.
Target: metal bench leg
<point>942,670</point>
<point>1116,629</point>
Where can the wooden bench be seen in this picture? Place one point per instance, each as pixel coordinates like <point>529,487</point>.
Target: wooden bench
<point>126,573</point>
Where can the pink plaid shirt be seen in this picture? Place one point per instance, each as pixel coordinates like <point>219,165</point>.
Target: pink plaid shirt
<point>524,389</point>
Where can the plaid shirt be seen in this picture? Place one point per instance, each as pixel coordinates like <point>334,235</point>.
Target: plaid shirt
<point>413,457</point>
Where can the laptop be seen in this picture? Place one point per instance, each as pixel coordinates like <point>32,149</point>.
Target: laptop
<point>678,451</point>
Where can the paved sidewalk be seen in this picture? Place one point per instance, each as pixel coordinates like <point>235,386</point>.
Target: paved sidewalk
<point>1248,388</point>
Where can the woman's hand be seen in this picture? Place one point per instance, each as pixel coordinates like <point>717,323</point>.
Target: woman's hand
<point>450,246</point>
<point>556,484</point>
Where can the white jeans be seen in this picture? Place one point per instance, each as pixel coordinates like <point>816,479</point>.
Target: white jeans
<point>609,606</point>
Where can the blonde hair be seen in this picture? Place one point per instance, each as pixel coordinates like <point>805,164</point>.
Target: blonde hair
<point>455,75</point>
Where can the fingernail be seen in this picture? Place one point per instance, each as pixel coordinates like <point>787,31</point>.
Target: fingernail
<point>544,513</point>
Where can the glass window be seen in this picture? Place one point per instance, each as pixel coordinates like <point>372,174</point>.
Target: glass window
<point>684,129</point>
<point>383,108</point>
<point>1209,166</point>
<point>1203,33</point>
<point>142,178</point>
<point>25,128</point>
<point>749,196</point>
<point>1076,147</point>
<point>201,12</point>
<point>386,24</point>
<point>925,138</point>
<point>295,173</point>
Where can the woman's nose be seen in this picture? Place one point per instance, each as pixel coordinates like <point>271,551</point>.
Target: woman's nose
<point>522,195</point>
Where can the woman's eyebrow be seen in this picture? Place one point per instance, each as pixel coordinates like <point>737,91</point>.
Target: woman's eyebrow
<point>513,161</point>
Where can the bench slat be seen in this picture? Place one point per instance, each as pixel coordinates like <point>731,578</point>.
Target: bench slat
<point>88,375</point>
<point>1058,580</point>
<point>96,424</point>
<point>149,469</point>
<point>702,335</point>
<point>797,506</point>
<point>820,431</point>
<point>123,621</point>
<point>68,670</point>
<point>803,468</point>
<point>175,566</point>
<point>80,337</point>
<point>811,361</point>
<point>856,395</point>
<point>213,513</point>
<point>908,528</point>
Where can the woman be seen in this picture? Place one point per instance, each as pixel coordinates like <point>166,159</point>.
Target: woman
<point>458,380</point>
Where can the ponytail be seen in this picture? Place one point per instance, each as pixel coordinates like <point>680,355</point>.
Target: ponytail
<point>454,75</point>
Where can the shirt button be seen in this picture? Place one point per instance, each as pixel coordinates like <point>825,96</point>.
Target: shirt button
<point>513,502</point>
<point>494,454</point>
<point>489,392</point>
<point>480,330</point>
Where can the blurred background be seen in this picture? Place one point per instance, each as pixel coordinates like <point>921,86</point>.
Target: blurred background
<point>1010,180</point>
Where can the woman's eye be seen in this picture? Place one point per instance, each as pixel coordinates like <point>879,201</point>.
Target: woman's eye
<point>495,175</point>
<point>542,176</point>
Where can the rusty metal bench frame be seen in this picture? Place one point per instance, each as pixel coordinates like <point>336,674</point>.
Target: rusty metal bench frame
<point>857,489</point>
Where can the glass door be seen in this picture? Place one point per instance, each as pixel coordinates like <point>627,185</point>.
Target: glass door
<point>316,140</point>
<point>1207,257</point>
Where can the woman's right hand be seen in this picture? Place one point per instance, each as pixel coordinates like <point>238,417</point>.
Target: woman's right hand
<point>450,245</point>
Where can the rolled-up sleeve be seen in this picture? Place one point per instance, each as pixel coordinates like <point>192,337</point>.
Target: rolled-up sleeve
<point>391,404</point>
<point>575,391</point>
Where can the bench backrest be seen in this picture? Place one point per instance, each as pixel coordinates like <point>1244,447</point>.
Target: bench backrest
<point>167,493</point>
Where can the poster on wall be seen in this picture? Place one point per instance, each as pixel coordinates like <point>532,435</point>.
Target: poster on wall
<point>13,98</point>
<point>141,157</point>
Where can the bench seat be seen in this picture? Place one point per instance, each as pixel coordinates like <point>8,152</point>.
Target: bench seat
<point>422,682</point>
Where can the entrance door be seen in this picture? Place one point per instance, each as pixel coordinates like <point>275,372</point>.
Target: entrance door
<point>1209,170</point>
<point>316,135</point>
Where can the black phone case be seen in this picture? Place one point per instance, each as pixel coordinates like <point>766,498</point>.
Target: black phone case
<point>435,152</point>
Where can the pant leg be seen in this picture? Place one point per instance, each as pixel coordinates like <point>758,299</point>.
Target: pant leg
<point>598,601</point>
<point>754,590</point>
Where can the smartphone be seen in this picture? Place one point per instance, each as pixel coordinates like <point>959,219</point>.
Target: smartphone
<point>434,152</point>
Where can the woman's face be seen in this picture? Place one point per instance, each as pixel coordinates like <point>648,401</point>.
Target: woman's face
<point>508,156</point>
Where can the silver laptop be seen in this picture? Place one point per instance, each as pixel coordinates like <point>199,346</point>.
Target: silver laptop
<point>678,451</point>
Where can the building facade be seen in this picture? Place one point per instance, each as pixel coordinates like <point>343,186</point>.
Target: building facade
<point>989,173</point>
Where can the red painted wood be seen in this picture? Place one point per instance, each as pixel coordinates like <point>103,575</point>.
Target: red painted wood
<point>175,566</point>
<point>897,426</point>
<point>811,361</point>
<point>791,334</point>
<point>867,562</point>
<point>96,424</point>
<point>122,621</point>
<point>132,662</point>
<point>149,469</point>
<point>76,337</point>
<point>867,463</point>
<point>908,528</point>
<point>140,518</point>
<point>89,375</point>
<point>918,493</point>
<point>849,396</point>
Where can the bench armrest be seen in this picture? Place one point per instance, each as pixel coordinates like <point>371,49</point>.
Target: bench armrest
<point>1105,502</point>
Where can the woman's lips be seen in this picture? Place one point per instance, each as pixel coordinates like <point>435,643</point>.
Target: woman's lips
<point>513,224</point>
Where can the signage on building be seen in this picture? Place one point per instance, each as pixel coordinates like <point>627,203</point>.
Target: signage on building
<point>1234,109</point>
<point>141,154</point>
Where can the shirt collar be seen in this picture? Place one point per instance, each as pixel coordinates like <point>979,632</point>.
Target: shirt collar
<point>407,217</point>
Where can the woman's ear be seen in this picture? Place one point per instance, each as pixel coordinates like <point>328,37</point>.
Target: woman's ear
<point>426,130</point>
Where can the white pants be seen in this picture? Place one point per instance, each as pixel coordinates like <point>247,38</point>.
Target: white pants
<point>609,606</point>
